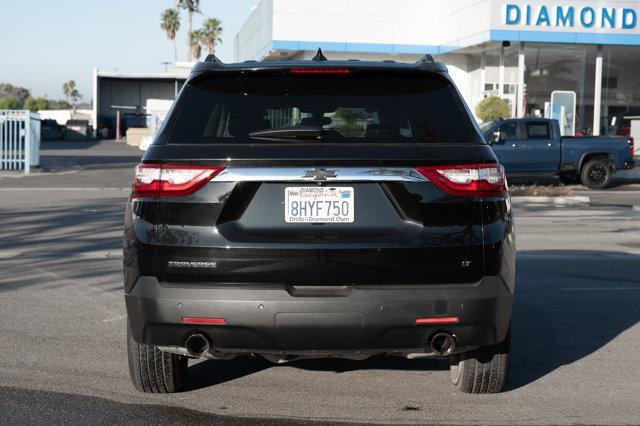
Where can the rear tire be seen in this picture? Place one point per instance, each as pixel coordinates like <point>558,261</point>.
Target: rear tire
<point>154,371</point>
<point>596,174</point>
<point>484,370</point>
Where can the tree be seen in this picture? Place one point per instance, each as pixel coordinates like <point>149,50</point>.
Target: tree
<point>492,108</point>
<point>196,47</point>
<point>70,91</point>
<point>352,125</point>
<point>10,91</point>
<point>211,32</point>
<point>67,88</point>
<point>170,23</point>
<point>9,103</point>
<point>35,104</point>
<point>191,6</point>
<point>60,104</point>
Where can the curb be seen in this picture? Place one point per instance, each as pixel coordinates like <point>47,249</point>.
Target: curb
<point>555,201</point>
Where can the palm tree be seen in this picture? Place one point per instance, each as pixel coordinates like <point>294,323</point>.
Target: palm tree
<point>170,23</point>
<point>196,47</point>
<point>191,6</point>
<point>211,32</point>
<point>70,91</point>
<point>68,88</point>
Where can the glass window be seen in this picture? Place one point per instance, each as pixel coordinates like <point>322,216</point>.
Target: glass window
<point>569,67</point>
<point>366,107</point>
<point>508,131</point>
<point>620,89</point>
<point>538,131</point>
<point>510,89</point>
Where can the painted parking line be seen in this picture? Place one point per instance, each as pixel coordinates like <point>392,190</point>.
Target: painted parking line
<point>628,191</point>
<point>64,188</point>
<point>600,288</point>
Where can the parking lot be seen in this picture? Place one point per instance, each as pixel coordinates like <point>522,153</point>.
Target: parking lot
<point>62,324</point>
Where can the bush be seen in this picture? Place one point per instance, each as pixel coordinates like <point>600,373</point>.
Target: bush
<point>35,104</point>
<point>59,105</point>
<point>492,108</point>
<point>9,103</point>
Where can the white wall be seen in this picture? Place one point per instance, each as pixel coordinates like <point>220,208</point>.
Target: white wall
<point>256,34</point>
<point>61,115</point>
<point>498,21</point>
<point>413,22</point>
<point>400,22</point>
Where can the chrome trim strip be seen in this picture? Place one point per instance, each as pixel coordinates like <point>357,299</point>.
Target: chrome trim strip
<point>297,174</point>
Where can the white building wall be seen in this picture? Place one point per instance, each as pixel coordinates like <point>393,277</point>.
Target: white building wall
<point>532,8</point>
<point>254,38</point>
<point>401,22</point>
<point>350,24</point>
<point>458,65</point>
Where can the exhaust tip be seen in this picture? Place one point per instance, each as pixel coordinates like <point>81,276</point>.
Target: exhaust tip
<point>197,344</point>
<point>443,343</point>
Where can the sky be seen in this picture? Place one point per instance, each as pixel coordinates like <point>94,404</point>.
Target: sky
<point>44,43</point>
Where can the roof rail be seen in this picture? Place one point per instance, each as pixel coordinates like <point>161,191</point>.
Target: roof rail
<point>319,56</point>
<point>425,58</point>
<point>212,58</point>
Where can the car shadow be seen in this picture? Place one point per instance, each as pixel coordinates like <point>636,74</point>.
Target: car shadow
<point>213,372</point>
<point>568,305</point>
<point>30,406</point>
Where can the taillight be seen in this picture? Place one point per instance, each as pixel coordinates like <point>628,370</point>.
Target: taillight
<point>170,180</point>
<point>474,180</point>
<point>631,146</point>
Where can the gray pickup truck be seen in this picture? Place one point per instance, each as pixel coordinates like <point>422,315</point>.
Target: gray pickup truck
<point>533,147</point>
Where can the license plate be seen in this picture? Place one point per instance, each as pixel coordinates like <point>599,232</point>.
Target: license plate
<point>318,204</point>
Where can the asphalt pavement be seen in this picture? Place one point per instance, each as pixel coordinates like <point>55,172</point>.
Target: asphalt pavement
<point>65,155</point>
<point>576,327</point>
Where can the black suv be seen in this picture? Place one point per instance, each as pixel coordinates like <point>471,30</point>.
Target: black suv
<point>319,208</point>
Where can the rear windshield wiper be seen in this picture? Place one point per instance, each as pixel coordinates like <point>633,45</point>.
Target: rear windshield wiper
<point>289,132</point>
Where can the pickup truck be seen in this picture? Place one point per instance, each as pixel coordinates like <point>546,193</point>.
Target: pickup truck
<point>533,147</point>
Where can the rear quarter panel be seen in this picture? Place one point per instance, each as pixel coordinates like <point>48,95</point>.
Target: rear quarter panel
<point>576,150</point>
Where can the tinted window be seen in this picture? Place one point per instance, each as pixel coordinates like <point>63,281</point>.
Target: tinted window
<point>508,131</point>
<point>538,131</point>
<point>485,129</point>
<point>363,107</point>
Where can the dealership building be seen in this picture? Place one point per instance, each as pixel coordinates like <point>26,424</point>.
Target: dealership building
<point>521,51</point>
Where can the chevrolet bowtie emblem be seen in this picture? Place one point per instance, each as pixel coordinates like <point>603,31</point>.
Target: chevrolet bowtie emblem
<point>320,174</point>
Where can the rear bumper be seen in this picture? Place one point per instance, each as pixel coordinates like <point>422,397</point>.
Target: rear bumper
<point>289,320</point>
<point>629,164</point>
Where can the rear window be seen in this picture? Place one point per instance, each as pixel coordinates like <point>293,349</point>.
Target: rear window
<point>357,108</point>
<point>538,131</point>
